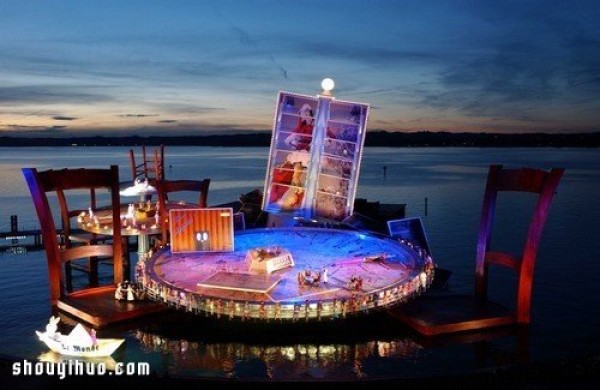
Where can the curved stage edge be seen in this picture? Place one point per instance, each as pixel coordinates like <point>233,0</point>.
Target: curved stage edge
<point>221,284</point>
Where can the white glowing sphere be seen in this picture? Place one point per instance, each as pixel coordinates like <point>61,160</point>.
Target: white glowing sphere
<point>327,84</point>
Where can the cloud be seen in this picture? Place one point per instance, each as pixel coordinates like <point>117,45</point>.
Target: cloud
<point>137,115</point>
<point>381,56</point>
<point>26,129</point>
<point>444,61</point>
<point>523,66</point>
<point>19,127</point>
<point>51,94</point>
<point>26,112</point>
<point>246,39</point>
<point>185,108</point>
<point>284,72</point>
<point>243,36</point>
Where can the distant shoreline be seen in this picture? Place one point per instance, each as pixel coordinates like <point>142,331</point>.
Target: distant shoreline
<point>373,139</point>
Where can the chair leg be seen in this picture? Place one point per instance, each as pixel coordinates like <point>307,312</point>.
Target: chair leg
<point>126,252</point>
<point>68,277</point>
<point>482,351</point>
<point>523,345</point>
<point>93,271</point>
<point>126,258</point>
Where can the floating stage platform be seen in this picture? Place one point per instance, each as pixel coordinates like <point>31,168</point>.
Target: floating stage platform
<point>332,273</point>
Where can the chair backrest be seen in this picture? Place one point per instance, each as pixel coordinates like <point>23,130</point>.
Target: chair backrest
<point>151,167</point>
<point>41,183</point>
<point>536,181</point>
<point>67,213</point>
<point>166,187</point>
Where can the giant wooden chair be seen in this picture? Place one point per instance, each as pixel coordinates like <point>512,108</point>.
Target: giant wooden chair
<point>434,314</point>
<point>58,181</point>
<point>166,187</point>
<point>150,166</point>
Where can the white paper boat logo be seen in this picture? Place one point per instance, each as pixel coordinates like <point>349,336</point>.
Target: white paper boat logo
<point>77,343</point>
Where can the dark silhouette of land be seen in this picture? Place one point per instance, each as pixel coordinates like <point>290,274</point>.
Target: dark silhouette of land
<point>373,138</point>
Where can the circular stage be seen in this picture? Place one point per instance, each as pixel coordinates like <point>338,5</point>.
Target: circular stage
<point>331,274</point>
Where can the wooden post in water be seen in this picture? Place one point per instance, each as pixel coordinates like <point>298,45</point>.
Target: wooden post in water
<point>14,224</point>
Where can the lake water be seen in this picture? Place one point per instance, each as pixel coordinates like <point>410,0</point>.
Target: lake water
<point>566,296</point>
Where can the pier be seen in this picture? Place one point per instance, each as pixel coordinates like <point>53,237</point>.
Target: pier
<point>11,240</point>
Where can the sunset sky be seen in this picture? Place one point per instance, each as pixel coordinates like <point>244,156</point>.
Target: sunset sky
<point>198,67</point>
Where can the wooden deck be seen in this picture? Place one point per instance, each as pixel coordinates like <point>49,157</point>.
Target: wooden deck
<point>99,308</point>
<point>432,315</point>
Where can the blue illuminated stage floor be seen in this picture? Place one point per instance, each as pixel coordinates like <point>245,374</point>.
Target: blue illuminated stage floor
<point>220,282</point>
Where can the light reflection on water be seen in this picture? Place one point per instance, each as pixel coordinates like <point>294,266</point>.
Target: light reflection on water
<point>452,180</point>
<point>286,361</point>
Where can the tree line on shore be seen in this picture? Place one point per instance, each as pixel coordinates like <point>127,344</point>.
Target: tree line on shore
<point>373,138</point>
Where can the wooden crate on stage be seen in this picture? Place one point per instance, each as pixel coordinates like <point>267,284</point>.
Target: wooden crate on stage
<point>268,260</point>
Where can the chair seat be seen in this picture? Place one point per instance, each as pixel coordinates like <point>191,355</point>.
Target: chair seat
<point>98,307</point>
<point>431,315</point>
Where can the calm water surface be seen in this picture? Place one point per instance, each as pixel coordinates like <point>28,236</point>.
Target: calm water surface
<point>565,320</point>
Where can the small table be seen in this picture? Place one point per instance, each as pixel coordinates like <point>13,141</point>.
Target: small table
<point>144,192</point>
<point>101,223</point>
